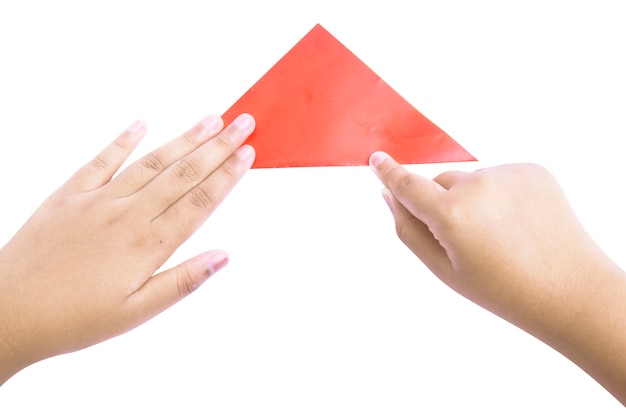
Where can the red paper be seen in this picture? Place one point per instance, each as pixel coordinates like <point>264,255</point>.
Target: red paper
<point>322,106</point>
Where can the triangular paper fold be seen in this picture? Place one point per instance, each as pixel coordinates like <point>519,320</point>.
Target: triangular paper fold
<point>322,106</point>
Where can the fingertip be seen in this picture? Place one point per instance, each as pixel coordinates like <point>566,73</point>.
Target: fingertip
<point>212,124</point>
<point>215,261</point>
<point>386,193</point>
<point>245,122</point>
<point>137,127</point>
<point>103,166</point>
<point>202,268</point>
<point>133,134</point>
<point>377,158</point>
<point>246,153</point>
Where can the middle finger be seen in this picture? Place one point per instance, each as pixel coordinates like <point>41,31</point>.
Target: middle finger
<point>190,170</point>
<point>142,171</point>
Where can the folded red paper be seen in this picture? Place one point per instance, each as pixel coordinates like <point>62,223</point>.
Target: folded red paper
<point>320,105</point>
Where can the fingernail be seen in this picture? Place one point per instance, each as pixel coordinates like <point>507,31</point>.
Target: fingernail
<point>244,122</point>
<point>136,127</point>
<point>387,196</point>
<point>246,153</point>
<point>211,123</point>
<point>377,158</point>
<point>216,261</point>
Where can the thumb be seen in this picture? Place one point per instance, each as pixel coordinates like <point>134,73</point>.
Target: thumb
<point>417,194</point>
<point>170,286</point>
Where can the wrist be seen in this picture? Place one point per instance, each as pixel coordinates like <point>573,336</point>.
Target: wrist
<point>10,362</point>
<point>584,320</point>
<point>12,328</point>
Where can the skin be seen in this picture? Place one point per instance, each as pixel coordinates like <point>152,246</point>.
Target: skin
<point>82,268</point>
<point>506,238</point>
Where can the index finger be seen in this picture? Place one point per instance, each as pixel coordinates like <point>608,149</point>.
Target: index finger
<point>418,194</point>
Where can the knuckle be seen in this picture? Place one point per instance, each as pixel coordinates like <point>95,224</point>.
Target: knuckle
<point>454,216</point>
<point>152,162</point>
<point>401,231</point>
<point>457,215</point>
<point>99,164</point>
<point>57,199</point>
<point>222,140</point>
<point>121,143</point>
<point>187,170</point>
<point>399,181</point>
<point>190,137</point>
<point>201,199</point>
<point>405,182</point>
<point>230,171</point>
<point>536,170</point>
<point>406,231</point>
<point>186,282</point>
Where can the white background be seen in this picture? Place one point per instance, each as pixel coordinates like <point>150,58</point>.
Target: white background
<point>322,311</point>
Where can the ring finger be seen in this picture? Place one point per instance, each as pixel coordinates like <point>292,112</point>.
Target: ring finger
<point>142,171</point>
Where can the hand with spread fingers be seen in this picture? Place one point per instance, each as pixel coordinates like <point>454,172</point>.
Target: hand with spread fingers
<point>82,268</point>
<point>506,238</point>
